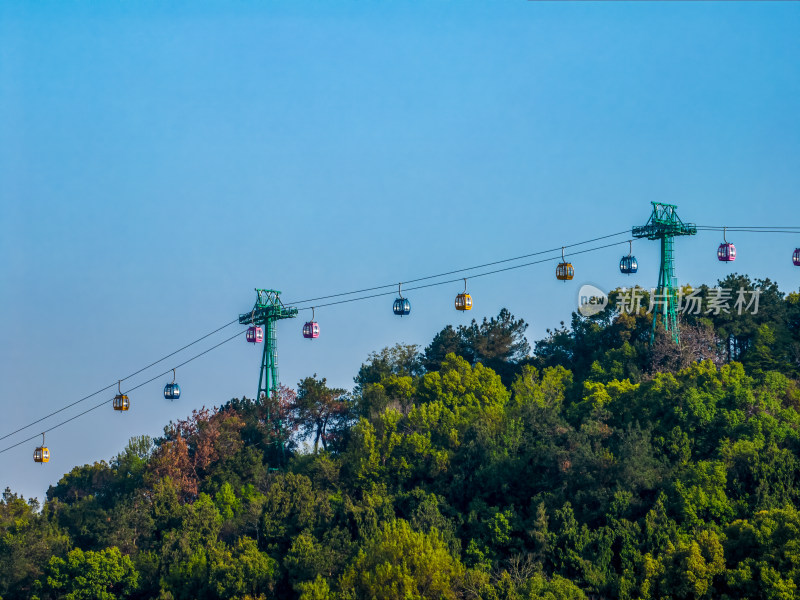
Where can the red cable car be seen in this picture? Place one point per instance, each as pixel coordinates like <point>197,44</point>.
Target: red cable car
<point>255,335</point>
<point>726,251</point>
<point>311,328</point>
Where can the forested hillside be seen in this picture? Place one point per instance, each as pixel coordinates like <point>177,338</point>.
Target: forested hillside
<point>585,465</point>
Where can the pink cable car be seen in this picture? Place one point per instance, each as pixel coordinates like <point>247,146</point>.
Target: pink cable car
<point>311,328</point>
<point>255,335</point>
<point>726,251</point>
<point>796,257</point>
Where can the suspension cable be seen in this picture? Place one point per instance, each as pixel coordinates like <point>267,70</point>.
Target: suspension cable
<point>93,394</point>
<point>489,264</point>
<point>418,287</point>
<point>136,387</point>
<point>748,229</point>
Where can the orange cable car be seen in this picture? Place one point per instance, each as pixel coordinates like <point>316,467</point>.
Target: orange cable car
<point>42,453</point>
<point>564,271</point>
<point>464,301</point>
<point>121,401</point>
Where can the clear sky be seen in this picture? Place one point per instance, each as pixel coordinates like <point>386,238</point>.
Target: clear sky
<point>160,160</point>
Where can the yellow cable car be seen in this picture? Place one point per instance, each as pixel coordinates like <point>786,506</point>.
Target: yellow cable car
<point>564,271</point>
<point>42,453</point>
<point>121,401</point>
<point>464,301</point>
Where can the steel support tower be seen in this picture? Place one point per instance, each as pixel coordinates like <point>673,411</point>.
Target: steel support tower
<point>665,225</point>
<point>267,310</point>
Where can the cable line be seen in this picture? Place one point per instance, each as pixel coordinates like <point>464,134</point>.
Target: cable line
<point>746,229</point>
<point>100,391</point>
<point>92,395</point>
<point>795,230</point>
<point>752,229</point>
<point>136,387</point>
<point>424,286</point>
<point>428,285</point>
<point>497,262</point>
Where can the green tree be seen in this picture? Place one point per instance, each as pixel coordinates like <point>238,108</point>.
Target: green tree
<point>316,590</point>
<point>189,548</point>
<point>401,359</point>
<point>319,410</point>
<point>763,555</point>
<point>241,570</point>
<point>27,541</point>
<point>400,362</point>
<point>498,343</point>
<point>291,506</point>
<point>104,575</point>
<point>738,332</point>
<point>308,558</point>
<point>447,341</point>
<point>691,567</point>
<point>401,564</point>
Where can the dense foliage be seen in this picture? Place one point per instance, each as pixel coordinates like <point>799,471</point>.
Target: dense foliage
<point>593,466</point>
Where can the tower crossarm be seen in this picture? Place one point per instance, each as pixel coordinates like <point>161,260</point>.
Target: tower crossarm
<point>664,222</point>
<point>260,315</point>
<point>656,232</point>
<point>268,307</point>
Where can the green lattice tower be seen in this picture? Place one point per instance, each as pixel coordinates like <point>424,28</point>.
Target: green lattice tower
<point>665,225</point>
<point>267,310</point>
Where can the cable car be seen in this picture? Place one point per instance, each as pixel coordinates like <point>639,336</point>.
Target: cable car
<point>464,301</point>
<point>172,391</point>
<point>121,401</point>
<point>726,251</point>
<point>255,335</point>
<point>796,257</point>
<point>42,453</point>
<point>311,328</point>
<point>628,264</point>
<point>564,271</point>
<point>401,305</point>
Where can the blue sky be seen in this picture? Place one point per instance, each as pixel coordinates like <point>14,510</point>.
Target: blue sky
<point>161,160</point>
